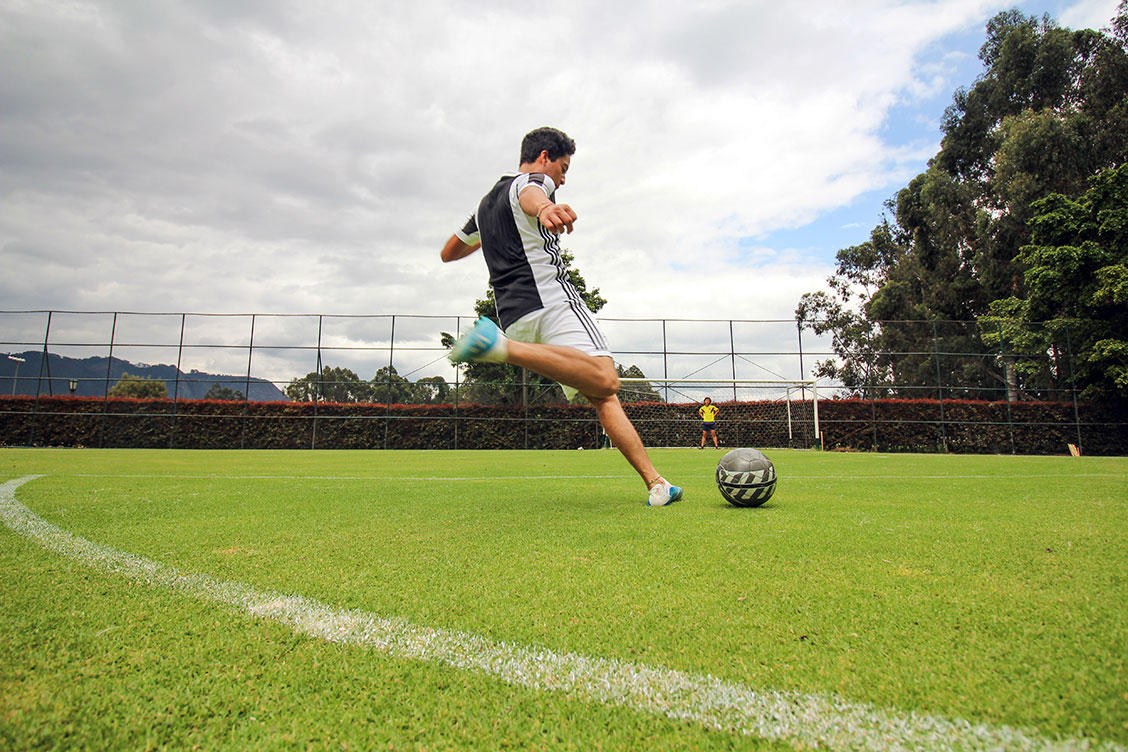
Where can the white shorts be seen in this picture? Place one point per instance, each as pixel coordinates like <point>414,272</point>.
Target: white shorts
<point>564,325</point>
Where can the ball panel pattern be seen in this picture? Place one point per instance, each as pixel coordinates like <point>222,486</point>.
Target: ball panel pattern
<point>746,477</point>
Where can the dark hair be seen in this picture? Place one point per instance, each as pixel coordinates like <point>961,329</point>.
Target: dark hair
<point>709,400</point>
<point>555,142</point>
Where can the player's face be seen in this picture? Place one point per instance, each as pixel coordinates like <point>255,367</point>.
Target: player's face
<point>557,168</point>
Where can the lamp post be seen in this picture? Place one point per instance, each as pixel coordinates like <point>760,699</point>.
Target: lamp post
<point>16,378</point>
<point>73,386</point>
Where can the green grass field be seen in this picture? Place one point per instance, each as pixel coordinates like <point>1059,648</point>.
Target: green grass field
<point>991,590</point>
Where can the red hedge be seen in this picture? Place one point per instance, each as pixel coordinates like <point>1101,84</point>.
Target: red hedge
<point>884,425</point>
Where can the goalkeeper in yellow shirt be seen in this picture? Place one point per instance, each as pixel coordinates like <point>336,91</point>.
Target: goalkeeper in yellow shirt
<point>708,413</point>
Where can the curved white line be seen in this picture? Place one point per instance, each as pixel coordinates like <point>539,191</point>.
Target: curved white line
<point>806,720</point>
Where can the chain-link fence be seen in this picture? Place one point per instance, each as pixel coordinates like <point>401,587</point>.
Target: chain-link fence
<point>922,386</point>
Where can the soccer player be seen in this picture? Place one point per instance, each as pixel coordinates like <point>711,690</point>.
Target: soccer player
<point>708,413</point>
<point>547,327</point>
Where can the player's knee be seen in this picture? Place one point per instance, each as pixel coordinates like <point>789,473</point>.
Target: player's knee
<point>603,386</point>
<point>611,384</point>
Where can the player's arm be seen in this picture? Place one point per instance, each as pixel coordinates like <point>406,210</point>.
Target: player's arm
<point>554,217</point>
<point>455,249</point>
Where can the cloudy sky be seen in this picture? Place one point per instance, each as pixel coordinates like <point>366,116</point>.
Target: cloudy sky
<point>283,156</point>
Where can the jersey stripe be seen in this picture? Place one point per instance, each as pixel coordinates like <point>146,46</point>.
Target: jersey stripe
<point>571,294</point>
<point>526,263</point>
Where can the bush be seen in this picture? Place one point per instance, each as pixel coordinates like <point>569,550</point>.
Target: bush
<point>882,425</point>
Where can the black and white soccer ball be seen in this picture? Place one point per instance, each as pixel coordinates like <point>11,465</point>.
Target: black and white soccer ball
<point>746,477</point>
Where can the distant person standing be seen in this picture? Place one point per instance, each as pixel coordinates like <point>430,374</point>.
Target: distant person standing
<point>708,413</point>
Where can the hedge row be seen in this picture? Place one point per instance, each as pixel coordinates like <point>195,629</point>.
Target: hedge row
<point>211,424</point>
<point>973,427</point>
<point>883,425</point>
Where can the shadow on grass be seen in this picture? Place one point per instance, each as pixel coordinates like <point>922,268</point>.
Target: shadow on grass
<point>767,506</point>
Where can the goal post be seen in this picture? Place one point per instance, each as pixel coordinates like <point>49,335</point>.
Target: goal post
<point>751,413</point>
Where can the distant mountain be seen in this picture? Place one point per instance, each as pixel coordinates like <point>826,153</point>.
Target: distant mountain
<point>92,381</point>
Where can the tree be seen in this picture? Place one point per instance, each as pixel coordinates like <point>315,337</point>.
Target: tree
<point>388,387</point>
<point>217,392</point>
<point>1076,281</point>
<point>501,383</point>
<point>331,385</point>
<point>862,269</point>
<point>642,391</point>
<point>138,387</point>
<point>1048,112</point>
<point>433,390</point>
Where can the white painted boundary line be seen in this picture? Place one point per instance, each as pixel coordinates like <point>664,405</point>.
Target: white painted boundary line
<point>805,720</point>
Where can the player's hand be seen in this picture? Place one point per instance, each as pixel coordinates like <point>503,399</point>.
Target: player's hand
<point>558,218</point>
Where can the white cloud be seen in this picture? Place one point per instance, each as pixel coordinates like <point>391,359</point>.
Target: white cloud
<point>1088,14</point>
<point>238,156</point>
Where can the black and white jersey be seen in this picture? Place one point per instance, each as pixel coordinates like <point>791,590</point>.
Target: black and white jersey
<point>526,270</point>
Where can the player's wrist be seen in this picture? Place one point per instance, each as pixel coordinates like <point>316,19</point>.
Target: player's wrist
<point>543,207</point>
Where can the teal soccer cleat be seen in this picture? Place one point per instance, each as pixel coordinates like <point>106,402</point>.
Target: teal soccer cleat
<point>484,342</point>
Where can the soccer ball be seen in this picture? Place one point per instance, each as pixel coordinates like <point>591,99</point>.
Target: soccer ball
<point>746,477</point>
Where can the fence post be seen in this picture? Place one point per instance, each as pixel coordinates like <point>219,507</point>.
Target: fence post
<point>176,384</point>
<point>802,372</point>
<point>732,356</point>
<point>38,383</point>
<point>388,393</point>
<point>666,384</point>
<point>457,372</point>
<point>1006,384</point>
<point>45,365</point>
<point>525,402</point>
<point>939,387</point>
<point>665,366</point>
<point>1073,386</point>
<point>247,385</point>
<point>873,417</point>
<point>317,383</point>
<point>106,399</point>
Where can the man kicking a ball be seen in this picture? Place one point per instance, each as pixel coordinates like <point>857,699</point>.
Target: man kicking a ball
<point>548,328</point>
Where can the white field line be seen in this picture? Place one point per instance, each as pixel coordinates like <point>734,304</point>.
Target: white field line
<point>804,720</point>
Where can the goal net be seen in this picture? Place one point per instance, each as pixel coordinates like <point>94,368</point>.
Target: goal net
<point>750,413</point>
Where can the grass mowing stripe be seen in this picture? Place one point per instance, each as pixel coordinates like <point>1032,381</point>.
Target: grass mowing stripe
<point>806,720</point>
<point>342,477</point>
<point>858,476</point>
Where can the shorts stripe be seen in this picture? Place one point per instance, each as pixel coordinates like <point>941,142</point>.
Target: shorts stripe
<point>583,313</point>
<point>571,294</point>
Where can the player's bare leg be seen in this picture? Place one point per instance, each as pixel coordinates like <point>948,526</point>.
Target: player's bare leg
<point>588,374</point>
<point>624,436</point>
<point>592,376</point>
<point>596,379</point>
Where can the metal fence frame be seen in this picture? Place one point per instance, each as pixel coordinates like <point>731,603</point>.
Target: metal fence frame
<point>780,354</point>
